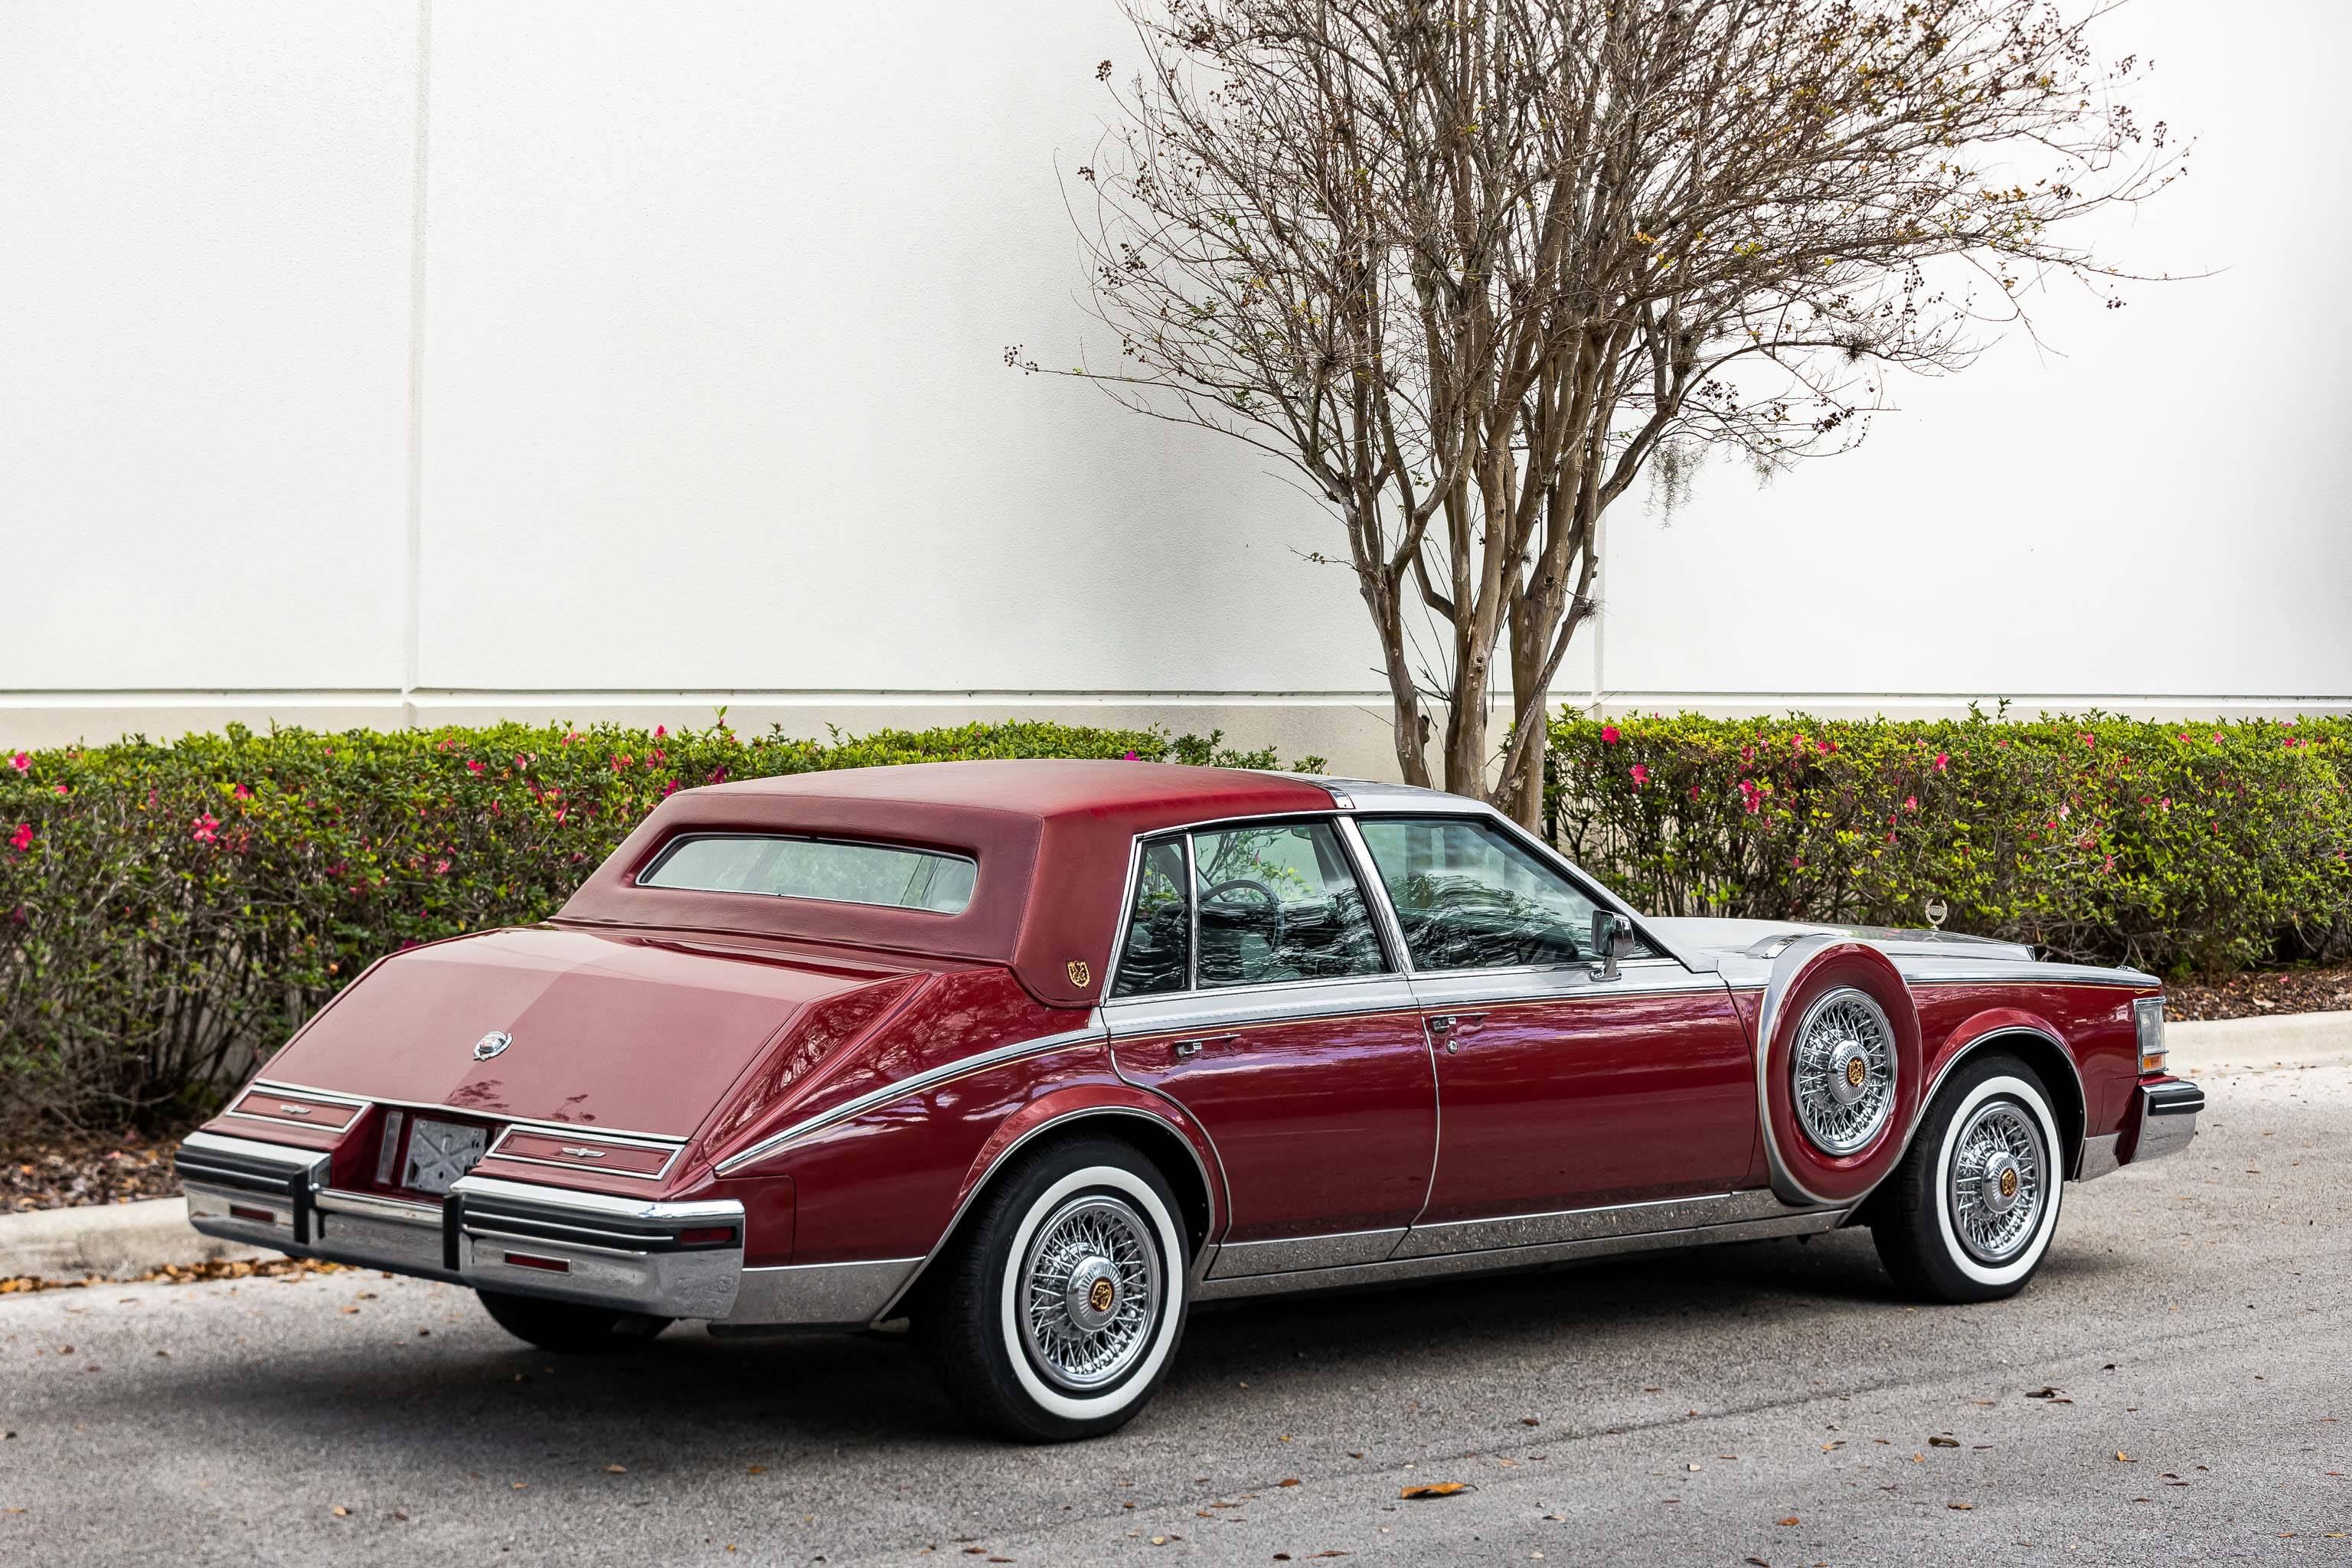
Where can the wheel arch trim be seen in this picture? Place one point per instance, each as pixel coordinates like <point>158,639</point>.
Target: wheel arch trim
<point>1043,1116</point>
<point>1985,1032</point>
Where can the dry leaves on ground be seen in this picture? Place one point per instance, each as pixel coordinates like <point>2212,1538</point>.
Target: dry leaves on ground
<point>1433,1489</point>
<point>286,1269</point>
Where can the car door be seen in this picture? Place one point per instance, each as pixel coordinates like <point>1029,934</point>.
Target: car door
<point>1253,987</point>
<point>1560,1092</point>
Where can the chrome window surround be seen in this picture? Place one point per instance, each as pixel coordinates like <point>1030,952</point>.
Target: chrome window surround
<point>1376,896</point>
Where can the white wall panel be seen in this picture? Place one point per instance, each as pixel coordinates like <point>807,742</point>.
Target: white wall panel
<point>204,330</point>
<point>717,303</point>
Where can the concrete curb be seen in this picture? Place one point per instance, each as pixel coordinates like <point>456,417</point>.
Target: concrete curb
<point>120,1241</point>
<point>2238,1044</point>
<point>116,1241</point>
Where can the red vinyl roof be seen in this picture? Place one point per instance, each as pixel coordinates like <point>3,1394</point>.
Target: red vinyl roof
<point>1051,839</point>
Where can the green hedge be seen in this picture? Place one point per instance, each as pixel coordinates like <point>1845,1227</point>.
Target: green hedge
<point>2175,847</point>
<point>169,913</point>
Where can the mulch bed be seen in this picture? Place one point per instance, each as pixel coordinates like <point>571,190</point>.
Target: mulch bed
<point>2258,994</point>
<point>56,1171</point>
<point>72,1169</point>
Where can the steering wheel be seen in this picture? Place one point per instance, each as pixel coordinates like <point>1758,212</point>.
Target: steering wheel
<point>1257,890</point>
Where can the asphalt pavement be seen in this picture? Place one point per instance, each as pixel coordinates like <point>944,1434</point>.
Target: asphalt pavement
<point>2175,1384</point>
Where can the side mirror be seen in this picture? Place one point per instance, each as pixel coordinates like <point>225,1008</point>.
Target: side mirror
<point>1610,933</point>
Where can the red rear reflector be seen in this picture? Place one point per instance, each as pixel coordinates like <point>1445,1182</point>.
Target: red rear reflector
<point>259,1216</point>
<point>708,1236</point>
<point>525,1260</point>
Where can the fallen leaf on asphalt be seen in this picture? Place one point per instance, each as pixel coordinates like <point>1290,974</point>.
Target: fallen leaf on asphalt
<point>616,1469</point>
<point>2124,1459</point>
<point>1959,1507</point>
<point>1759,1563</point>
<point>1287,1481</point>
<point>1840,1443</point>
<point>1529,1421</point>
<point>1791,1519</point>
<point>1433,1489</point>
<point>1943,1442</point>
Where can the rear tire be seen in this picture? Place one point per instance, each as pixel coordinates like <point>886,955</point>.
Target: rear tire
<point>570,1328</point>
<point>1968,1212</point>
<point>1056,1311</point>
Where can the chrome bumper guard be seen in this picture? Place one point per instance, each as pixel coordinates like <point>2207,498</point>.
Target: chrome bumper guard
<point>2166,1119</point>
<point>668,1259</point>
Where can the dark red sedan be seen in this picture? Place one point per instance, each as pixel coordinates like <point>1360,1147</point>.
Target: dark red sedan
<point>1032,1057</point>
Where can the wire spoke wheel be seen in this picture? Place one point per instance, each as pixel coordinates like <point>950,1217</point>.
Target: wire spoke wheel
<point>1090,1292</point>
<point>1998,1175</point>
<point>1844,1071</point>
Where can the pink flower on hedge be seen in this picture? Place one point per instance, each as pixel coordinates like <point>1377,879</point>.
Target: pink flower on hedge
<point>1641,775</point>
<point>1943,760</point>
<point>1694,792</point>
<point>1910,803</point>
<point>206,828</point>
<point>472,766</point>
<point>1751,796</point>
<point>669,789</point>
<point>623,761</point>
<point>1825,747</point>
<point>1746,756</point>
<point>242,793</point>
<point>22,761</point>
<point>1609,733</point>
<point>440,867</point>
<point>22,840</point>
<point>64,789</point>
<point>660,730</point>
<point>1129,757</point>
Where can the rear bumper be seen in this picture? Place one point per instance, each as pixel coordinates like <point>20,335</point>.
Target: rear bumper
<point>2163,1119</point>
<point>668,1259</point>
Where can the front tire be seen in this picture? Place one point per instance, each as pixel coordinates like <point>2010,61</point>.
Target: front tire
<point>1968,1212</point>
<point>1056,1311</point>
<point>569,1328</point>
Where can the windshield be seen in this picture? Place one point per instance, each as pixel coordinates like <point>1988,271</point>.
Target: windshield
<point>840,870</point>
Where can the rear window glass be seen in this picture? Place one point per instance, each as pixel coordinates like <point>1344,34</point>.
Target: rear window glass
<point>839,869</point>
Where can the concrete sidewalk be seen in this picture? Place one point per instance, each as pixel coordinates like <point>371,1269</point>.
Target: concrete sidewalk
<point>114,1241</point>
<point>118,1241</point>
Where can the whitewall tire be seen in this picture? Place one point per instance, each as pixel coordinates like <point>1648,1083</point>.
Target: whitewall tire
<point>1968,1213</point>
<point>1056,1311</point>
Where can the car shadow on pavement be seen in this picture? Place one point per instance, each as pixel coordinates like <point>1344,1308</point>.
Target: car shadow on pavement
<point>701,1404</point>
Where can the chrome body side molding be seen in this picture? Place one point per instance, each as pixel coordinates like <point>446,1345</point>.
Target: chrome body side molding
<point>1291,1253</point>
<point>931,1077</point>
<point>1664,1215</point>
<point>2098,1158</point>
<point>1799,1223</point>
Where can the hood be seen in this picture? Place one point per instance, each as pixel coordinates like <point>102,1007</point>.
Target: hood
<point>627,1032</point>
<point>1764,939</point>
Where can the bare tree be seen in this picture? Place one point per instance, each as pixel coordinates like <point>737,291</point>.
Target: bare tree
<point>1471,266</point>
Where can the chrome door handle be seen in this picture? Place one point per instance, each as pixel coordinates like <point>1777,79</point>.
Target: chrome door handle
<point>1188,1048</point>
<point>1442,1022</point>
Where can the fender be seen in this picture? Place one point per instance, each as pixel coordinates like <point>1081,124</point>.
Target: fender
<point>1065,1108</point>
<point>1805,971</point>
<point>1993,1024</point>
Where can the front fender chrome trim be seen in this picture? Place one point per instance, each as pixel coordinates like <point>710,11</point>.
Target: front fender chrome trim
<point>1093,1034</point>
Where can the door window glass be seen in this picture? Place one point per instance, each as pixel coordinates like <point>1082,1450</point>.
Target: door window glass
<point>1469,898</point>
<point>1156,957</point>
<point>1280,902</point>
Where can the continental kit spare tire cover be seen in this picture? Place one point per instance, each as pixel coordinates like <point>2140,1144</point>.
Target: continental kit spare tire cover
<point>1839,1074</point>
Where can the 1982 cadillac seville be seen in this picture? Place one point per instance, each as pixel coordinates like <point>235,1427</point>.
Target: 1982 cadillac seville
<point>1034,1056</point>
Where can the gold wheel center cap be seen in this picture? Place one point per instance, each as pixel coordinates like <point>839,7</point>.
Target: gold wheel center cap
<point>1856,1070</point>
<point>1101,1295</point>
<point>2009,1183</point>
